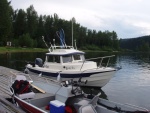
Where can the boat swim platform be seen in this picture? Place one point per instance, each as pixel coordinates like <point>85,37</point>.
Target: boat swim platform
<point>5,105</point>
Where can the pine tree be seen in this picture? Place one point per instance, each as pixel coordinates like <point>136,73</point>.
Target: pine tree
<point>32,21</point>
<point>20,23</point>
<point>5,22</point>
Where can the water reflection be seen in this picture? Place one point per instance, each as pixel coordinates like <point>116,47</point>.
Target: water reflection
<point>19,60</point>
<point>132,83</point>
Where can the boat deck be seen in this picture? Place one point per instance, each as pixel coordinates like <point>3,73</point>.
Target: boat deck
<point>40,99</point>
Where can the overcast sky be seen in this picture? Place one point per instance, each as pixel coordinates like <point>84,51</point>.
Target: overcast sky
<point>129,18</point>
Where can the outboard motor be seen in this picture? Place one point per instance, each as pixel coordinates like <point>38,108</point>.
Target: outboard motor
<point>39,62</point>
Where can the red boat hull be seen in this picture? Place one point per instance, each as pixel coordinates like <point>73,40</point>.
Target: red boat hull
<point>27,106</point>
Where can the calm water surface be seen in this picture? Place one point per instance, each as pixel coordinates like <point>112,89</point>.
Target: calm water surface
<point>130,85</point>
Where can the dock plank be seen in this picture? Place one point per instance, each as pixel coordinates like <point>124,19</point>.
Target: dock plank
<point>6,106</point>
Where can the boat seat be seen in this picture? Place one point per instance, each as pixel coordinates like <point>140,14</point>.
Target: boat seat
<point>87,101</point>
<point>26,95</point>
<point>87,109</point>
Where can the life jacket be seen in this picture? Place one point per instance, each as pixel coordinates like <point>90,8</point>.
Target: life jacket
<point>21,87</point>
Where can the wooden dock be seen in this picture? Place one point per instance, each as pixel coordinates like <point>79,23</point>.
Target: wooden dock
<point>6,106</point>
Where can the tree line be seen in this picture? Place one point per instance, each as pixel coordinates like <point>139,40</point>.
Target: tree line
<point>25,28</point>
<point>139,44</point>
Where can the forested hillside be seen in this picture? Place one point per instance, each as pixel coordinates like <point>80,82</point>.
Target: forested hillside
<point>24,28</point>
<point>136,44</point>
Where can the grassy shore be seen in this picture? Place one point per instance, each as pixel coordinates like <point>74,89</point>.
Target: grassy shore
<point>19,49</point>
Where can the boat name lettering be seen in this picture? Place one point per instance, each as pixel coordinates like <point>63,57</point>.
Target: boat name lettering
<point>46,66</point>
<point>69,68</point>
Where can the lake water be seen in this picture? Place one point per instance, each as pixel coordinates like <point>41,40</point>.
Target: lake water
<point>129,85</point>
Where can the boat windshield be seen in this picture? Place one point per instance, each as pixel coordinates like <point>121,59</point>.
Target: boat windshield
<point>76,57</point>
<point>66,58</point>
<point>54,59</point>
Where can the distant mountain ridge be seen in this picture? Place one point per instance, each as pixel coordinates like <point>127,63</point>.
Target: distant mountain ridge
<point>136,44</point>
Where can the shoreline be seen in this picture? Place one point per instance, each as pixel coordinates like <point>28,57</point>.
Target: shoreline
<point>20,49</point>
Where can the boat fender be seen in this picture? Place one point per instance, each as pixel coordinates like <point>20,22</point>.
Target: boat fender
<point>26,71</point>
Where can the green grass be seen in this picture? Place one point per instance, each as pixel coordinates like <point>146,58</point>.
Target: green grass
<point>19,49</point>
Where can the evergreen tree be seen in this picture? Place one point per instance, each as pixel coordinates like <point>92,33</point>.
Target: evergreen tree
<point>5,22</point>
<point>26,41</point>
<point>32,21</point>
<point>27,24</point>
<point>40,32</point>
<point>20,23</point>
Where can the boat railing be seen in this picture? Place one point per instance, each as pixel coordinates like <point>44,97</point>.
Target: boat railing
<point>53,47</point>
<point>101,61</point>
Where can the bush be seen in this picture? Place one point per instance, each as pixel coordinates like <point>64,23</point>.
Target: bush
<point>26,41</point>
<point>34,43</point>
<point>15,43</point>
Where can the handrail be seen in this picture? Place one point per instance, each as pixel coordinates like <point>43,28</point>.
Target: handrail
<point>100,61</point>
<point>62,46</point>
<point>100,57</point>
<point>53,47</point>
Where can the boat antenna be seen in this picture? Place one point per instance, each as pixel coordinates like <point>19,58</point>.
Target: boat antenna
<point>44,41</point>
<point>72,30</point>
<point>46,44</point>
<point>75,44</point>
<point>54,43</point>
<point>61,36</point>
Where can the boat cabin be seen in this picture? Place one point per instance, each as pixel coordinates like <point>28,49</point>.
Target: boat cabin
<point>65,56</point>
<point>67,59</point>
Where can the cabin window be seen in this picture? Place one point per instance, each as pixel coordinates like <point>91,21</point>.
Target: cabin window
<point>66,58</point>
<point>54,59</point>
<point>77,57</point>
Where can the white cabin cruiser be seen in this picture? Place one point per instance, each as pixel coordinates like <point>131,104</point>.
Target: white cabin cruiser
<point>71,64</point>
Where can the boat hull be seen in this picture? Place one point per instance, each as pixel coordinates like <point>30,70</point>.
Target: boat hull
<point>99,81</point>
<point>96,77</point>
<point>29,108</point>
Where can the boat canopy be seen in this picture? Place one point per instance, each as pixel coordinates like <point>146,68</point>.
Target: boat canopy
<point>62,52</point>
